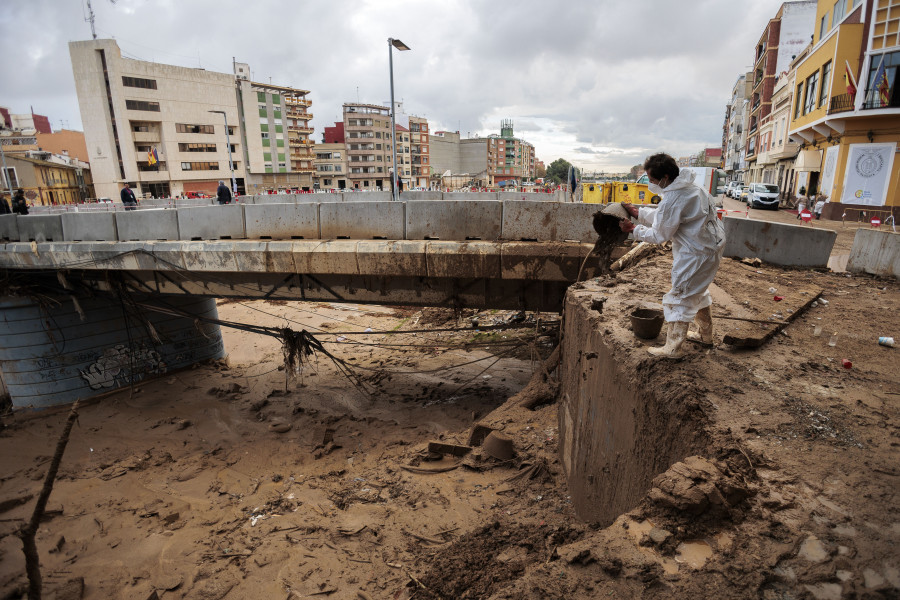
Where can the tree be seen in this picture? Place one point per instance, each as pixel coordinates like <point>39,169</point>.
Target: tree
<point>558,171</point>
<point>540,171</point>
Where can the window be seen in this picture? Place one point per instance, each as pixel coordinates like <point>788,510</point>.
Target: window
<point>142,105</point>
<point>261,96</point>
<point>262,107</point>
<point>839,13</point>
<point>336,155</point>
<point>826,76</point>
<point>199,166</point>
<point>799,97</point>
<point>265,135</point>
<point>11,177</point>
<point>823,26</point>
<point>140,128</point>
<point>137,82</point>
<point>182,147</point>
<point>810,99</point>
<point>264,127</point>
<point>187,128</point>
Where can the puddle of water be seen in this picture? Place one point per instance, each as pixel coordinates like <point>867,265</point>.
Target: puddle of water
<point>694,553</point>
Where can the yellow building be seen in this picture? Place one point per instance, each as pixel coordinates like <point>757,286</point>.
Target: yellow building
<point>849,141</point>
<point>48,183</point>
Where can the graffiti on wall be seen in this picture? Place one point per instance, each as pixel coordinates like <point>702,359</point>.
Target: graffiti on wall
<point>119,366</point>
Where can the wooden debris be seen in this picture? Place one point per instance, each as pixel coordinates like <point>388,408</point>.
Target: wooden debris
<point>758,340</point>
<point>451,449</point>
<point>635,255</point>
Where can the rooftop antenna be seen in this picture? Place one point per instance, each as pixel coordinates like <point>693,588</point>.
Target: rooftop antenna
<point>90,17</point>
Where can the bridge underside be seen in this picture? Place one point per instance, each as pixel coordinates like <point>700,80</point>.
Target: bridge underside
<point>504,275</point>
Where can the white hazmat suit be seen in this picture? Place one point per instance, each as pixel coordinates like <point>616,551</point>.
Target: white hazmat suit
<point>686,216</point>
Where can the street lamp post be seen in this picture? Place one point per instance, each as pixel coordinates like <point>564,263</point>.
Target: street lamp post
<point>228,143</point>
<point>395,176</point>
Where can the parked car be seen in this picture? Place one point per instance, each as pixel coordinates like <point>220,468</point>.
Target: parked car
<point>732,188</point>
<point>742,193</point>
<point>763,195</point>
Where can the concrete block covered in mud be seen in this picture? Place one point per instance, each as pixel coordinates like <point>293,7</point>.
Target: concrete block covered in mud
<point>453,220</point>
<point>150,225</point>
<point>394,258</point>
<point>282,221</point>
<point>89,226</point>
<point>9,229</point>
<point>211,222</point>
<point>548,221</point>
<point>875,252</point>
<point>40,228</point>
<point>362,220</point>
<point>778,243</point>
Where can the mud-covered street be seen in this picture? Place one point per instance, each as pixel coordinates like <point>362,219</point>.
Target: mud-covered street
<point>233,480</point>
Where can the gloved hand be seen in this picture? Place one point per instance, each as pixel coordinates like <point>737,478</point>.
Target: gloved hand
<point>626,226</point>
<point>632,210</point>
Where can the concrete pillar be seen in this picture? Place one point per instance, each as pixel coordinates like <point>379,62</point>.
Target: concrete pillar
<point>54,355</point>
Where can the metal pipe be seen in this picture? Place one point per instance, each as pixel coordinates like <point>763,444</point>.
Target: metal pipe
<point>395,174</point>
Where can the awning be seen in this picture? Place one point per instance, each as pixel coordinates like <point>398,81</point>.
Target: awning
<point>808,160</point>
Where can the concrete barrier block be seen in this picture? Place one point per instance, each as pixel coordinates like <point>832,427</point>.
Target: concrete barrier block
<point>453,220</point>
<point>350,196</point>
<point>875,252</point>
<point>422,195</point>
<point>280,257</point>
<point>147,225</point>
<point>392,258</point>
<point>471,196</point>
<point>9,228</point>
<point>282,221</point>
<point>548,221</point>
<point>320,198</point>
<point>40,228</point>
<point>463,260</point>
<point>154,203</point>
<point>524,260</point>
<point>216,255</point>
<point>191,202</point>
<point>65,255</point>
<point>362,220</point>
<point>778,243</point>
<point>275,199</point>
<point>250,256</point>
<point>321,257</point>
<point>527,196</point>
<point>211,222</point>
<point>89,227</point>
<point>244,199</point>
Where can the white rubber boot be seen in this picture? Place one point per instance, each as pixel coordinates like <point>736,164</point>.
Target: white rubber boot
<point>677,332</point>
<point>704,336</point>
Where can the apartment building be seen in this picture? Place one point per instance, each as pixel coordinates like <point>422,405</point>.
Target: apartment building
<point>846,108</point>
<point>420,152</point>
<point>784,37</point>
<point>737,114</point>
<point>48,179</point>
<point>331,166</point>
<point>777,153</point>
<point>367,138</point>
<point>507,161</point>
<point>162,128</point>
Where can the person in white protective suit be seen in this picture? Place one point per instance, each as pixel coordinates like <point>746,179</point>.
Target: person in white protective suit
<point>686,216</point>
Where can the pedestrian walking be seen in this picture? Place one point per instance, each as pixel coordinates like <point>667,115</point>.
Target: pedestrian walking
<point>820,205</point>
<point>223,193</point>
<point>128,197</point>
<point>801,202</point>
<point>686,216</point>
<point>20,205</point>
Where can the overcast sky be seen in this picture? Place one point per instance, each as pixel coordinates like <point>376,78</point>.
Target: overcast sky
<point>600,83</point>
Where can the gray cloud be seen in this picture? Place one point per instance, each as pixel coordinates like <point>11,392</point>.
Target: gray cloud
<point>602,82</point>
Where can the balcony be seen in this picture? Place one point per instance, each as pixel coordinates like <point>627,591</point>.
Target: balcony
<point>299,129</point>
<point>145,136</point>
<point>297,102</point>
<point>841,103</point>
<point>873,101</point>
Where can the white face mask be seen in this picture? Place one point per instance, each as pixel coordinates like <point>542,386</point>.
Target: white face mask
<point>655,188</point>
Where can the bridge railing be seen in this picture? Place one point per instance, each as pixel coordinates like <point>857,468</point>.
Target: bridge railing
<point>361,215</point>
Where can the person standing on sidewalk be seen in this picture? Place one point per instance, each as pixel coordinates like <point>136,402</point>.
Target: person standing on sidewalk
<point>19,204</point>
<point>223,193</point>
<point>686,216</point>
<point>128,197</point>
<point>4,206</point>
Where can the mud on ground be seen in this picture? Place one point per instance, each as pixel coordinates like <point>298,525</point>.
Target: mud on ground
<point>220,482</point>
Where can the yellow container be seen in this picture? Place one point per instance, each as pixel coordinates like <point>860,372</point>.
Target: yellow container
<point>618,191</point>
